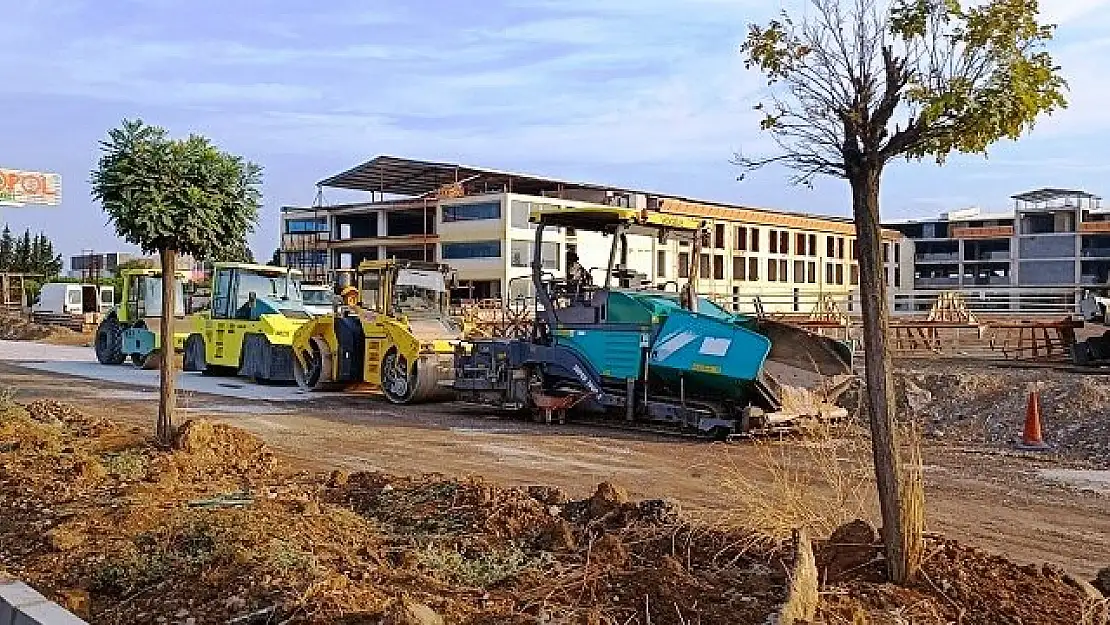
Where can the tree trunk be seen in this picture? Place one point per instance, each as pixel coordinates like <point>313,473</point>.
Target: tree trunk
<point>166,399</point>
<point>879,380</point>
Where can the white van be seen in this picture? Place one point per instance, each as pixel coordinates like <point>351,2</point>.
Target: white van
<point>59,298</point>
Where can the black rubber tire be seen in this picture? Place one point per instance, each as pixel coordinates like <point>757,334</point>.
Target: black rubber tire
<point>108,343</point>
<point>308,378</point>
<point>195,359</point>
<point>149,362</point>
<point>396,395</point>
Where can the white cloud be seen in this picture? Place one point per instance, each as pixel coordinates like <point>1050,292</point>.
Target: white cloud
<point>1066,12</point>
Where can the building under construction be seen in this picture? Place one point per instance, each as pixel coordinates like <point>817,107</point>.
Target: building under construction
<point>476,219</point>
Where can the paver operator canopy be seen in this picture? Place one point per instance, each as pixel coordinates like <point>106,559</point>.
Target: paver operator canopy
<point>619,223</point>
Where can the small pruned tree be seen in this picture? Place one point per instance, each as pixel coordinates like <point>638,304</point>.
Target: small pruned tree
<point>174,196</point>
<point>857,84</point>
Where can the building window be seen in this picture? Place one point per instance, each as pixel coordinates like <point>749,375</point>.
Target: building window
<point>782,271</point>
<point>753,269</point>
<point>773,241</point>
<point>719,236</point>
<point>739,268</point>
<point>772,269</point>
<point>472,249</point>
<point>661,264</point>
<point>518,214</point>
<point>854,275</point>
<point>897,278</point>
<point>897,253</point>
<point>306,258</point>
<point>811,273</point>
<point>813,245</point>
<point>784,242</point>
<point>830,247</point>
<point>799,271</point>
<point>855,250</point>
<point>741,238</point>
<point>549,258</point>
<point>800,244</point>
<point>755,240</point>
<point>520,253</point>
<point>840,248</point>
<point>297,226</point>
<point>703,268</point>
<point>829,273</point>
<point>472,212</point>
<point>886,252</point>
<point>839,273</point>
<point>718,267</point>
<point>683,264</point>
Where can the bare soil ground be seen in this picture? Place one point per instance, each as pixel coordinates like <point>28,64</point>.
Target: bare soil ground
<point>214,530</point>
<point>981,493</point>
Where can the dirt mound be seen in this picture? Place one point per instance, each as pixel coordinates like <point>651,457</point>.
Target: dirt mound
<point>53,412</point>
<point>96,525</point>
<point>966,585</point>
<point>204,447</point>
<point>850,549</point>
<point>1102,581</point>
<point>19,328</point>
<point>965,404</point>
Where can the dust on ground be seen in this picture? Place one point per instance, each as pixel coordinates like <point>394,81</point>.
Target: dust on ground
<point>215,529</point>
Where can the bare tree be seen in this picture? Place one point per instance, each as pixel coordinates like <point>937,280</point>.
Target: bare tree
<point>858,83</point>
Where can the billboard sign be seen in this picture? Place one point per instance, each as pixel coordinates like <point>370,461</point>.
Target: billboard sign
<point>29,187</point>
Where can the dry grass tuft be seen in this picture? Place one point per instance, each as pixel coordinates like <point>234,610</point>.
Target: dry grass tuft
<point>801,602</point>
<point>817,482</point>
<point>913,501</point>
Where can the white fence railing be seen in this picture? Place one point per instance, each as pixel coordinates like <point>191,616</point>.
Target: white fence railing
<point>1008,302</point>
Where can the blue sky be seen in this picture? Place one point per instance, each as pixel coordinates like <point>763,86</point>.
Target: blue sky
<point>641,93</point>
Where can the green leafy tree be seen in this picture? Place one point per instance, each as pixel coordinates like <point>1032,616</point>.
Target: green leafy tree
<point>49,263</point>
<point>137,263</point>
<point>174,196</point>
<point>44,261</point>
<point>857,84</point>
<point>22,262</point>
<point>275,259</point>
<point>236,252</point>
<point>7,250</point>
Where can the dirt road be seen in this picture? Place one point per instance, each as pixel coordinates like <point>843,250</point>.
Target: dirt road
<point>995,501</point>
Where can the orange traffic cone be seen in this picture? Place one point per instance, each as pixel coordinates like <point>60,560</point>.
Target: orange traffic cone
<point>1031,439</point>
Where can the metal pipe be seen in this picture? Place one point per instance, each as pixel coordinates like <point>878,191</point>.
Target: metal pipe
<point>625,281</point>
<point>612,256</point>
<point>630,399</point>
<point>542,296</point>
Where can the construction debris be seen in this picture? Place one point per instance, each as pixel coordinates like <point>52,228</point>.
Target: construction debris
<point>967,404</point>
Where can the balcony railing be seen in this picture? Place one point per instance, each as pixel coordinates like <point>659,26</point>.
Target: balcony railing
<point>991,281</point>
<point>937,257</point>
<point>983,232</point>
<point>987,256</point>
<point>1094,226</point>
<point>936,281</point>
